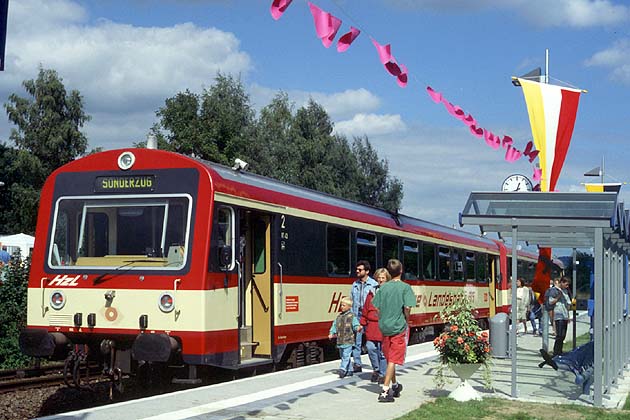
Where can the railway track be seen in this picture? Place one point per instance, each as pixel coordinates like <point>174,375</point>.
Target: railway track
<point>18,379</point>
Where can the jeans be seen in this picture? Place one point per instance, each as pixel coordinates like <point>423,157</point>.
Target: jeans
<point>377,359</point>
<point>344,355</point>
<point>532,318</point>
<point>356,349</point>
<point>561,333</point>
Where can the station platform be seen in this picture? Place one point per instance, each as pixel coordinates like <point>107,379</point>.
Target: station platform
<point>316,393</point>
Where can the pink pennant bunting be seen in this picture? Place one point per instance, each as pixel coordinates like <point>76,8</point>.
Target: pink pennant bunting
<point>393,68</point>
<point>507,142</point>
<point>476,131</point>
<point>529,152</point>
<point>344,42</point>
<point>278,7</point>
<point>326,25</point>
<point>435,96</point>
<point>384,52</point>
<point>402,77</point>
<point>492,140</point>
<point>512,154</point>
<point>537,174</point>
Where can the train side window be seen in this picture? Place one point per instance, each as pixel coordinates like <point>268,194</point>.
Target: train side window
<point>444,263</point>
<point>428,261</point>
<point>481,273</point>
<point>390,248</point>
<point>366,248</point>
<point>470,266</point>
<point>411,255</point>
<point>458,264</point>
<point>226,246</point>
<point>338,251</point>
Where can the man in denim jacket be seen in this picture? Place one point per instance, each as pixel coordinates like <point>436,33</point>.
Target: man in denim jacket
<point>359,291</point>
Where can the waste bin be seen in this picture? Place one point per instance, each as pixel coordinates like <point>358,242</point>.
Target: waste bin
<point>499,335</point>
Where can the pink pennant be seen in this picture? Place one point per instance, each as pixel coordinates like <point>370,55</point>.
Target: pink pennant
<point>393,68</point>
<point>469,120</point>
<point>326,25</point>
<point>384,52</point>
<point>347,39</point>
<point>492,140</point>
<point>512,154</point>
<point>537,174</point>
<point>529,152</point>
<point>402,77</point>
<point>507,142</point>
<point>435,96</point>
<point>476,131</point>
<point>278,7</point>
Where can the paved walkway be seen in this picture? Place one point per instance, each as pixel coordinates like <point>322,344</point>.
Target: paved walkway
<point>315,392</point>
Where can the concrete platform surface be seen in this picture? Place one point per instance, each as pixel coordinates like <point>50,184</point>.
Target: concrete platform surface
<point>316,393</point>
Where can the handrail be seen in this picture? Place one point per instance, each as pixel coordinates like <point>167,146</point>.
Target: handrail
<point>280,293</point>
<point>260,297</point>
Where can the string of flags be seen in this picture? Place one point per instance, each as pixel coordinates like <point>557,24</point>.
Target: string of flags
<point>327,26</point>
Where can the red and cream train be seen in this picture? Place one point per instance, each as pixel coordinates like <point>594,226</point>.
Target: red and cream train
<point>149,256</point>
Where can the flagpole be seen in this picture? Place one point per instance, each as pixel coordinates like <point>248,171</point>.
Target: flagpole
<point>602,172</point>
<point>547,65</point>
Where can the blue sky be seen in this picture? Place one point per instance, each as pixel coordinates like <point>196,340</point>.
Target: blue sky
<point>127,57</point>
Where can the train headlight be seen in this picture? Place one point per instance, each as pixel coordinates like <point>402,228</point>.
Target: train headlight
<point>166,302</point>
<point>126,160</point>
<point>57,299</point>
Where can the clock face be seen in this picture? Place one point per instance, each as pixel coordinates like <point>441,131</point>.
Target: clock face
<point>517,182</point>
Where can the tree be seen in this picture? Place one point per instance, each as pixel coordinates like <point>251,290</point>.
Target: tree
<point>13,287</point>
<point>47,136</point>
<point>48,125</point>
<point>215,125</point>
<point>301,149</point>
<point>376,187</point>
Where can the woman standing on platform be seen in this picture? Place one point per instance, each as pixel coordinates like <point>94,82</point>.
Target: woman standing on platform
<point>522,303</point>
<point>373,335</point>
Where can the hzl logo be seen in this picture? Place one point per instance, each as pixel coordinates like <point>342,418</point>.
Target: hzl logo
<point>64,280</point>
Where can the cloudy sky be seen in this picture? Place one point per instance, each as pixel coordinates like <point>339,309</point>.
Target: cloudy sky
<point>127,57</point>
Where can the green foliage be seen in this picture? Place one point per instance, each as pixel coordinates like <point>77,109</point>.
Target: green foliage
<point>502,409</point>
<point>13,312</point>
<point>46,137</point>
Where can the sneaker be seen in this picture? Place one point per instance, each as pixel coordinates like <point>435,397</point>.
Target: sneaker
<point>357,368</point>
<point>397,390</point>
<point>381,380</point>
<point>374,377</point>
<point>386,396</point>
<point>342,373</point>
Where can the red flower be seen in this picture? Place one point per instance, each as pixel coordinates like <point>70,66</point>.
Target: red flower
<point>454,328</point>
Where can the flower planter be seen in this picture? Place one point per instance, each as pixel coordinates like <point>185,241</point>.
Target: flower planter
<point>464,391</point>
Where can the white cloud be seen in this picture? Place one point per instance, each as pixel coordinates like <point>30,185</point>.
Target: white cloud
<point>571,13</point>
<point>370,125</point>
<point>616,58</point>
<point>338,105</point>
<point>119,69</point>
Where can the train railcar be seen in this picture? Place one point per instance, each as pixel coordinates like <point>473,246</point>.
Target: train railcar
<point>149,257</point>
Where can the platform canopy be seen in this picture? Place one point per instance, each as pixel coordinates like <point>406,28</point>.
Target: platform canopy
<point>561,220</point>
<point>571,220</point>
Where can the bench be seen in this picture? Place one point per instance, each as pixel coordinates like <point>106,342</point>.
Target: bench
<point>579,361</point>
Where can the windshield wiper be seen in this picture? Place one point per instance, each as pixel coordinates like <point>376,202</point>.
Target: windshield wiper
<point>103,277</point>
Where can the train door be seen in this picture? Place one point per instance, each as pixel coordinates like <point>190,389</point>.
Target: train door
<point>255,290</point>
<point>492,270</point>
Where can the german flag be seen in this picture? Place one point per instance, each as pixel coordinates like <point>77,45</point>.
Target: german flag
<point>603,187</point>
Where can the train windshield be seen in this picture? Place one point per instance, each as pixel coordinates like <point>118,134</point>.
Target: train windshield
<point>147,232</point>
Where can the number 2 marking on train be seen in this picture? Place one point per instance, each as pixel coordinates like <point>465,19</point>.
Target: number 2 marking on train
<point>283,219</point>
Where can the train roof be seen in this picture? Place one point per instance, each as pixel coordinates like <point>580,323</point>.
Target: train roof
<point>390,219</point>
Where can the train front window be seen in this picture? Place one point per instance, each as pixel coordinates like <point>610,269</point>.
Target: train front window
<point>145,231</point>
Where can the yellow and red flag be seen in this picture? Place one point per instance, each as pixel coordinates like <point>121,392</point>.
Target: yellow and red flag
<point>552,110</point>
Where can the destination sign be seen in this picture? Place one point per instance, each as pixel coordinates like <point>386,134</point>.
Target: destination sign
<point>128,183</point>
